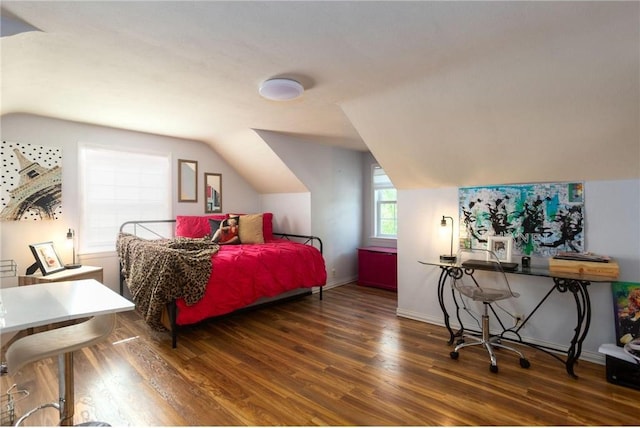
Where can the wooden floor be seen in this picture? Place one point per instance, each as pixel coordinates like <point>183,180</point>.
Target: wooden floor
<point>345,360</point>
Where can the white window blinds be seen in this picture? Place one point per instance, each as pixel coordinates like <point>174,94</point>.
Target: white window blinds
<point>116,186</point>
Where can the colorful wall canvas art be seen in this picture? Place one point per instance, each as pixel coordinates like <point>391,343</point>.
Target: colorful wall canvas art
<point>626,306</point>
<point>543,219</point>
<point>31,182</point>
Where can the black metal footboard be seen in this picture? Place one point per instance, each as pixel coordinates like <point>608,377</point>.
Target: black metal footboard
<point>304,239</point>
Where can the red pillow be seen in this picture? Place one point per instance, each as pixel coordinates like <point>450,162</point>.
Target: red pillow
<point>194,226</point>
<point>267,226</point>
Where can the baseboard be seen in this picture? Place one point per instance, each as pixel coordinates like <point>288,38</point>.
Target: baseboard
<point>593,357</point>
<point>336,282</point>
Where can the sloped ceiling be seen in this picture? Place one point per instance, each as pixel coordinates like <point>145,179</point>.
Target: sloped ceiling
<point>442,93</point>
<point>519,112</point>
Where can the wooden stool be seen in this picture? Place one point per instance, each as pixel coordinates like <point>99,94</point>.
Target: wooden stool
<point>60,342</point>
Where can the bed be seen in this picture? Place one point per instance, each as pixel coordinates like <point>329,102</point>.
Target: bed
<point>178,276</point>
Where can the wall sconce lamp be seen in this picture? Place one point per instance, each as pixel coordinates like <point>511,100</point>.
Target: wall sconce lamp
<point>448,258</point>
<point>71,241</point>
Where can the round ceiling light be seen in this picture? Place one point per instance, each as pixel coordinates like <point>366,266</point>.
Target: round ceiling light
<point>281,89</point>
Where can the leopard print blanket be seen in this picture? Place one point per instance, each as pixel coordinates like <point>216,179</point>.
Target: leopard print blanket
<point>160,270</point>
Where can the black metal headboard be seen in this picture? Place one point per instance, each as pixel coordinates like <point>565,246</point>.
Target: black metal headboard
<point>144,226</point>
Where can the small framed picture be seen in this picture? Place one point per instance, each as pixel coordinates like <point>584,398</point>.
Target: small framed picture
<point>46,257</point>
<point>212,193</point>
<point>187,180</point>
<point>501,247</point>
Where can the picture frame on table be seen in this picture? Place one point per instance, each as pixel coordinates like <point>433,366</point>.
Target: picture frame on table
<point>501,246</point>
<point>46,257</point>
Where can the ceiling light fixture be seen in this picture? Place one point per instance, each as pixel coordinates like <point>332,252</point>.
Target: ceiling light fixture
<point>281,89</point>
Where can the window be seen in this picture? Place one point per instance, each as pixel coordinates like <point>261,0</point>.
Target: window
<point>385,206</point>
<point>118,186</point>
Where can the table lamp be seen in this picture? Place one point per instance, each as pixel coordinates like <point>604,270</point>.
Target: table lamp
<point>448,258</point>
<point>71,240</point>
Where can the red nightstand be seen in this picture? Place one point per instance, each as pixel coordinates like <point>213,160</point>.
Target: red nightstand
<point>378,267</point>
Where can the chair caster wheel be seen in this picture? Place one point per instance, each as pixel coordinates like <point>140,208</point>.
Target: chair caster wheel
<point>454,355</point>
<point>493,369</point>
<point>524,363</point>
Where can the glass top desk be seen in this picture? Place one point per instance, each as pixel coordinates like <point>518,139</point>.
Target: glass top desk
<point>563,282</point>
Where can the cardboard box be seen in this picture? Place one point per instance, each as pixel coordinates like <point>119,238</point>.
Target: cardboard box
<point>609,269</point>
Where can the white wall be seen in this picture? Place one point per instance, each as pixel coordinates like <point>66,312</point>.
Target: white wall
<point>334,177</point>
<point>16,236</point>
<point>291,211</point>
<point>612,226</point>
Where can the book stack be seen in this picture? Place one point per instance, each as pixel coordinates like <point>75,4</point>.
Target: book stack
<point>584,264</point>
<point>583,257</point>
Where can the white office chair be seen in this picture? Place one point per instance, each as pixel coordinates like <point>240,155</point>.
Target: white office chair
<point>487,287</point>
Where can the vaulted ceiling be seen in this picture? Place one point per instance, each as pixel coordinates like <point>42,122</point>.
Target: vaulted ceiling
<point>442,93</point>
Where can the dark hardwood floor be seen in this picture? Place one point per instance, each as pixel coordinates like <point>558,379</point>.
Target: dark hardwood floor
<point>345,360</point>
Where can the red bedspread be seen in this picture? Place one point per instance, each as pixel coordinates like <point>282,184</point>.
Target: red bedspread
<point>242,274</point>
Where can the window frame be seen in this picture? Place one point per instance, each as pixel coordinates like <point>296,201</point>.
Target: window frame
<point>377,204</point>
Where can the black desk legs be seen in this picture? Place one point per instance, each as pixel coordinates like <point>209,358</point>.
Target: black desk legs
<point>583,309</point>
<point>578,288</point>
<point>444,274</point>
<point>442,282</point>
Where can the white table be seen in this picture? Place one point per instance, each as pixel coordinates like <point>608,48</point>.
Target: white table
<point>42,304</point>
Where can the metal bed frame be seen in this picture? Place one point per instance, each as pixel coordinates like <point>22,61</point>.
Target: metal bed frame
<point>172,308</point>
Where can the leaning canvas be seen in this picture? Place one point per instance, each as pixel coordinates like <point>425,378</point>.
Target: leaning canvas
<point>626,308</point>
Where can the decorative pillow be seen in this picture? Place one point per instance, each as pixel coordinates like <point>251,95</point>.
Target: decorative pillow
<point>228,232</point>
<point>191,226</point>
<point>251,229</point>
<point>214,225</point>
<point>267,226</point>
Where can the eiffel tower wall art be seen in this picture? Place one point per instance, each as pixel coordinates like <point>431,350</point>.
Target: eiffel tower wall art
<point>31,182</point>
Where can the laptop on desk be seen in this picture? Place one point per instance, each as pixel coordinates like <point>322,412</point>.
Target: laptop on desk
<point>490,265</point>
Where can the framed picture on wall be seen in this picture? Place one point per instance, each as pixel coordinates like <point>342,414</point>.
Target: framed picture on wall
<point>212,193</point>
<point>46,257</point>
<point>501,246</point>
<point>187,180</point>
